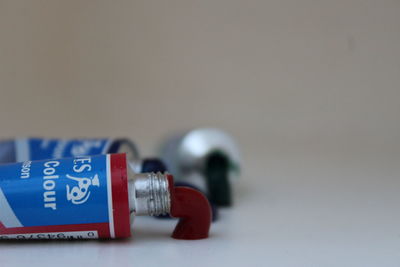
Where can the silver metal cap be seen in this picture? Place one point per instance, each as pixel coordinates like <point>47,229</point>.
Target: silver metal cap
<point>186,154</point>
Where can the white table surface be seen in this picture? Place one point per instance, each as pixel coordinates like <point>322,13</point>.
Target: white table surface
<point>293,210</point>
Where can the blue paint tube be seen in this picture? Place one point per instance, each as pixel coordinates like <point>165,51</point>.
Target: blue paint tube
<point>91,197</point>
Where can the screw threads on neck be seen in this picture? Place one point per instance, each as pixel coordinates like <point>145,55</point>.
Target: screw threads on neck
<point>152,196</point>
<point>159,203</point>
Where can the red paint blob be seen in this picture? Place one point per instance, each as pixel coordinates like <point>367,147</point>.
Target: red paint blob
<point>193,209</point>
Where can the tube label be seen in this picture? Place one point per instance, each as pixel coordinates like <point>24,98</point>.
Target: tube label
<point>61,196</point>
<point>58,235</point>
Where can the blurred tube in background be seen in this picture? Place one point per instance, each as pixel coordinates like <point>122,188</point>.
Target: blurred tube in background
<point>23,149</point>
<point>206,158</point>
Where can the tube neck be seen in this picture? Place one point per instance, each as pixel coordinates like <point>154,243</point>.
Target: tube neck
<point>150,194</point>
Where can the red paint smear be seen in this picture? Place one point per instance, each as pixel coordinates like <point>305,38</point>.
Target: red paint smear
<point>193,209</point>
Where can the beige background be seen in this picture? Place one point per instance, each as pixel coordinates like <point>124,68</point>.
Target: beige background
<point>283,73</point>
<point>310,89</point>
